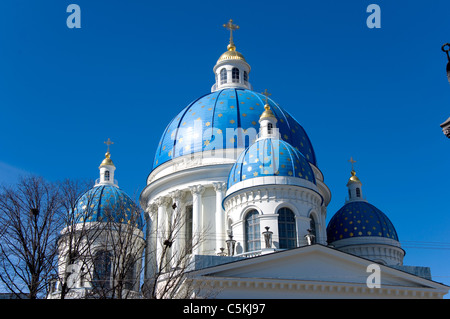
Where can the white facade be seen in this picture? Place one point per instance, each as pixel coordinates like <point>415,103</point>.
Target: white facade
<point>195,185</point>
<point>313,272</point>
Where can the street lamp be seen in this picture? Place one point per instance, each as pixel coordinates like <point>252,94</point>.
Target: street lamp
<point>446,49</point>
<point>446,125</point>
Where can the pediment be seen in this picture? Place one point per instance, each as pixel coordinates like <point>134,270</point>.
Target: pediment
<point>315,263</point>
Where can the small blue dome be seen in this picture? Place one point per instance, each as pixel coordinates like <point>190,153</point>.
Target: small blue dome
<point>360,219</point>
<point>107,202</point>
<point>270,157</point>
<point>203,125</point>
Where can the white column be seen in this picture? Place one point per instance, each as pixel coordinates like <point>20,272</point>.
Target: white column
<point>197,192</point>
<point>177,222</point>
<point>220,189</point>
<point>161,231</point>
<point>150,250</point>
<point>303,224</point>
<point>271,221</point>
<point>229,75</point>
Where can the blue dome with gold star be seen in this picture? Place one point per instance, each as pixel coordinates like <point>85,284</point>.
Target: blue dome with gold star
<point>107,203</point>
<point>203,124</point>
<point>270,157</point>
<point>360,219</point>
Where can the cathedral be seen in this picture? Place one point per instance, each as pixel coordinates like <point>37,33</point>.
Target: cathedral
<point>235,200</point>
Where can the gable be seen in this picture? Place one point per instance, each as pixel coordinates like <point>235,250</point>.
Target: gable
<point>315,263</point>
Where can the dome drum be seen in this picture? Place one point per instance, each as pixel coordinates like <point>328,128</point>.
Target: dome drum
<point>231,73</point>
<point>382,250</point>
<point>274,181</point>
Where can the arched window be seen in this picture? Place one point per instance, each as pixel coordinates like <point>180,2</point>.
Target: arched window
<point>287,229</point>
<point>269,128</point>
<point>252,233</point>
<point>235,75</point>
<point>102,270</point>
<point>106,175</point>
<point>245,76</point>
<point>312,227</point>
<point>358,192</point>
<point>130,274</point>
<point>223,76</point>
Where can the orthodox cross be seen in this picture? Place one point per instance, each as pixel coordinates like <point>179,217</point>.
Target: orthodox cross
<point>351,160</point>
<point>267,94</point>
<point>230,26</point>
<point>108,142</point>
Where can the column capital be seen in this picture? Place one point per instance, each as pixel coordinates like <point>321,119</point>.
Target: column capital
<point>220,186</point>
<point>177,195</point>
<point>197,189</point>
<point>151,208</point>
<point>162,201</point>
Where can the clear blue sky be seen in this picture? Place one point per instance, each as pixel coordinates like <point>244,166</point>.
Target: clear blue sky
<point>378,95</point>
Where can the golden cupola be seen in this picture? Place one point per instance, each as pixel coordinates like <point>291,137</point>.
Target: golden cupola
<point>267,112</point>
<point>353,178</point>
<point>107,160</point>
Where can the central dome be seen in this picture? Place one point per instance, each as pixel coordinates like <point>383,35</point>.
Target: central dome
<point>211,121</point>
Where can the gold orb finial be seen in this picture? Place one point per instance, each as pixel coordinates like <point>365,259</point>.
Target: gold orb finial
<point>353,178</point>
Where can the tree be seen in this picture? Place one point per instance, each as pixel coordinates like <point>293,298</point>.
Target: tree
<point>29,219</point>
<point>100,256</point>
<point>71,266</point>
<point>49,247</point>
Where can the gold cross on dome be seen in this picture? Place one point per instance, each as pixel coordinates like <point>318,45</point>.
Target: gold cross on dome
<point>351,160</point>
<point>267,94</point>
<point>108,142</point>
<point>230,26</point>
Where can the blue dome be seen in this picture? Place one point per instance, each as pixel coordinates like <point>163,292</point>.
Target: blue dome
<point>360,219</point>
<point>107,202</point>
<point>270,157</point>
<point>221,110</point>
